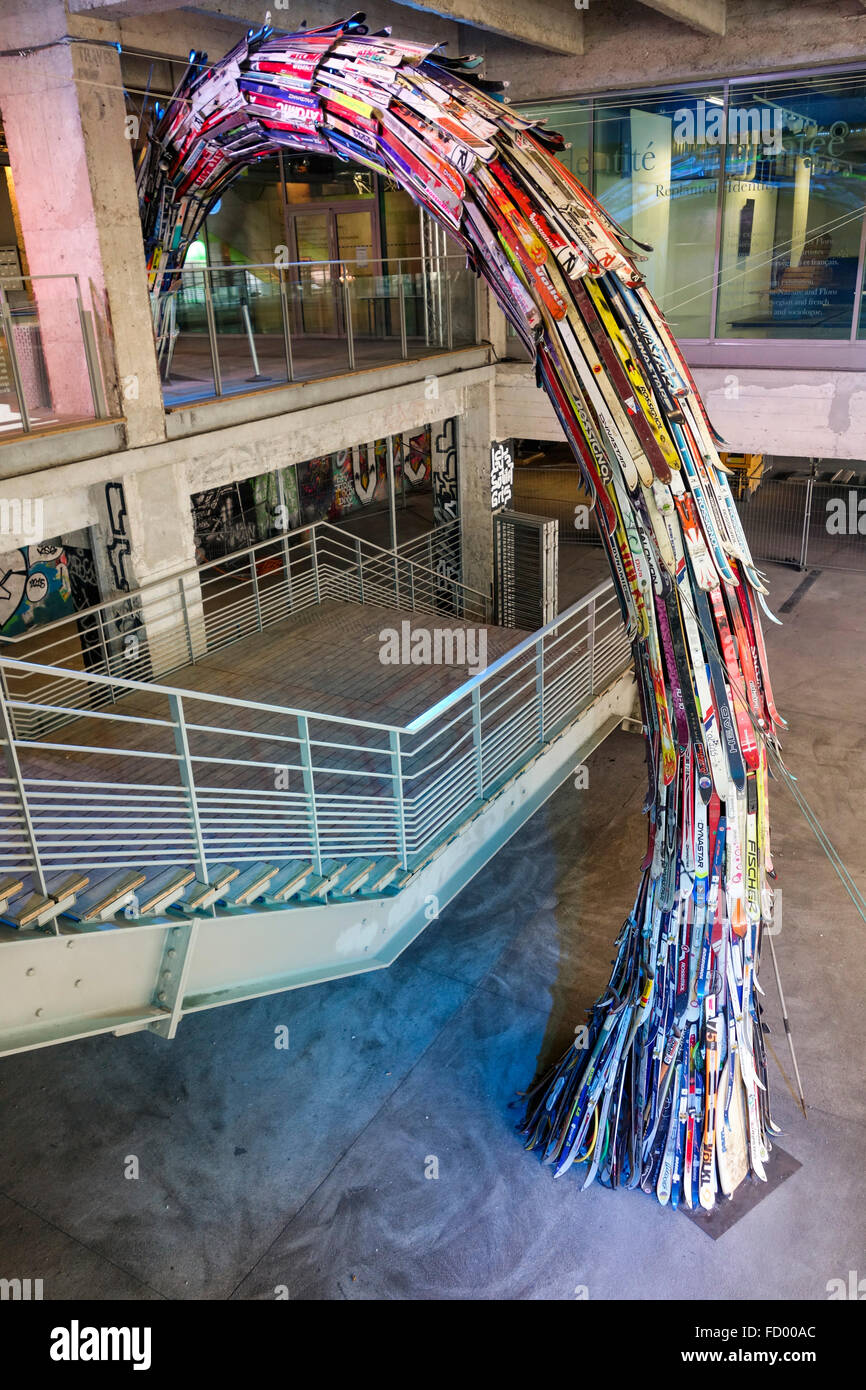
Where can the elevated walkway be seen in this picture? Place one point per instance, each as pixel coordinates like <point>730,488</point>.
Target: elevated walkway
<point>290,809</point>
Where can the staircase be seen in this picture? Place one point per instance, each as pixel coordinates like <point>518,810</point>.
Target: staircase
<point>167,624</point>
<point>145,832</point>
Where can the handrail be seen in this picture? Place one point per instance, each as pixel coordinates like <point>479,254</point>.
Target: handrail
<point>177,576</point>
<point>422,720</point>
<point>383,550</point>
<point>154,687</point>
<point>288,265</point>
<point>364,791</point>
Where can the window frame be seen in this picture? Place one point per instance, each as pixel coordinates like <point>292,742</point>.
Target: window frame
<point>840,354</point>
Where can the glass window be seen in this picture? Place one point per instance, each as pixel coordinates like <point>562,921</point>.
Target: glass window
<point>402,225</point>
<point>573,120</point>
<point>246,224</point>
<point>323,179</point>
<point>793,208</point>
<point>657,173</point>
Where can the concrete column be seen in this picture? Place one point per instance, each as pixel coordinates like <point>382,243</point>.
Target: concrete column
<point>143,539</point>
<point>476,428</point>
<point>64,119</point>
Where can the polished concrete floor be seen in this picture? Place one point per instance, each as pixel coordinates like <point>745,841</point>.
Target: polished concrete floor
<point>260,1169</point>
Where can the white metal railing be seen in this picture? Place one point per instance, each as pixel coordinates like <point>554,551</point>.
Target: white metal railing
<point>150,776</point>
<point>179,620</point>
<point>438,549</point>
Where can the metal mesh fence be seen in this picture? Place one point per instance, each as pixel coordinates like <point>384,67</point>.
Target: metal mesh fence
<point>774,517</point>
<point>797,520</point>
<point>556,490</point>
<point>804,521</point>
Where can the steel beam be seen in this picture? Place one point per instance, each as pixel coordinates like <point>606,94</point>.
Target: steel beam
<point>149,974</point>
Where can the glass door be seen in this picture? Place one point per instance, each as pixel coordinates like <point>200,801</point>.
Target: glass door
<point>355,242</point>
<point>333,234</point>
<point>316,291</point>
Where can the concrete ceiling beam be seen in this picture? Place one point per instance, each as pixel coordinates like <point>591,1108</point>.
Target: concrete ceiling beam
<point>707,16</point>
<point>119,9</point>
<point>555,25</point>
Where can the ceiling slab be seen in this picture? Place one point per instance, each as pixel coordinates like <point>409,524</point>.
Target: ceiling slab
<point>707,16</point>
<point>555,25</point>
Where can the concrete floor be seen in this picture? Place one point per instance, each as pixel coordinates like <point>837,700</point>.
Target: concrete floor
<point>305,1168</point>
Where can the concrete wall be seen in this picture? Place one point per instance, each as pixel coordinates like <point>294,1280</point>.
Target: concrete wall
<point>810,414</point>
<point>522,410</point>
<point>159,479</point>
<point>803,414</point>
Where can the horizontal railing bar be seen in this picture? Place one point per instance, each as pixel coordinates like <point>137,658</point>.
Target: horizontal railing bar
<point>246,733</point>
<point>440,731</point>
<point>86,714</point>
<point>528,642</point>
<point>85,748</point>
<point>519,671</point>
<point>144,788</point>
<point>428,767</point>
<point>422,261</point>
<point>153,687</point>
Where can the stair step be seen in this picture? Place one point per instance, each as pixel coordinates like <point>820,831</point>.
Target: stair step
<point>162,889</point>
<point>319,884</point>
<point>401,877</point>
<point>36,909</point>
<point>380,877</point>
<point>289,881</point>
<point>29,910</point>
<point>64,888</point>
<point>106,895</point>
<point>249,884</point>
<point>9,888</point>
<point>199,895</point>
<point>354,875</point>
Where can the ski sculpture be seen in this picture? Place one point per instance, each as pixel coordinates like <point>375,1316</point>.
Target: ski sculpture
<point>667,1089</point>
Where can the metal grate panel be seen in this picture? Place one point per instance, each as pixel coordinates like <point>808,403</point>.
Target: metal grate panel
<point>526,569</point>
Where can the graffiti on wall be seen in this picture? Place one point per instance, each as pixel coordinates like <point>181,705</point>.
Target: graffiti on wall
<point>84,585</point>
<point>327,488</point>
<point>34,587</point>
<point>118,546</point>
<point>446,560</point>
<point>220,518</point>
<point>124,621</point>
<point>444,473</point>
<point>414,457</point>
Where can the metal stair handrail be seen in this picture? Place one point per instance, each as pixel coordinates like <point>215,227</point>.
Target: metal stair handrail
<point>175,577</point>
<point>354,786</point>
<point>588,601</point>
<point>178,619</point>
